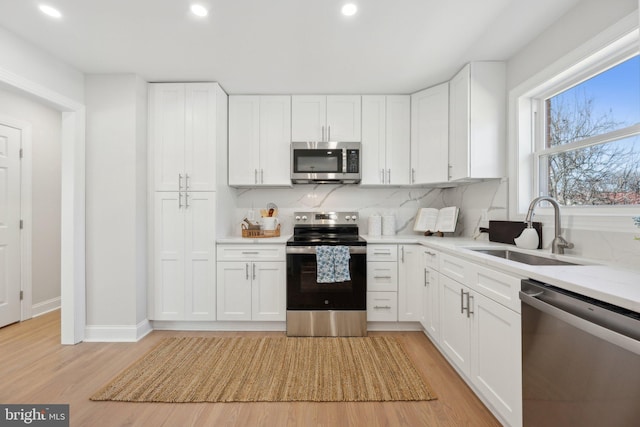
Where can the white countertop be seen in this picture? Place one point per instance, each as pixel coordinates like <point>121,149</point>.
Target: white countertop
<point>612,284</point>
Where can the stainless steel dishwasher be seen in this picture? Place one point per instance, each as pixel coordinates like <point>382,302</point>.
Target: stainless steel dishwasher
<point>580,360</point>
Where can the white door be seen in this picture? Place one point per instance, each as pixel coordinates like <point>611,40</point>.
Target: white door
<point>234,290</point>
<point>344,118</point>
<point>431,303</point>
<point>459,124</point>
<point>169,256</point>
<point>398,139</point>
<point>308,118</point>
<point>410,283</point>
<point>268,297</point>
<point>374,118</point>
<point>454,327</point>
<point>244,140</point>
<point>199,253</point>
<point>430,135</point>
<point>9,225</point>
<point>275,140</point>
<point>166,134</point>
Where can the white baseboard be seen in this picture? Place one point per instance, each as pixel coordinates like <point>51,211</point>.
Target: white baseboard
<point>244,326</point>
<point>46,306</point>
<point>117,333</point>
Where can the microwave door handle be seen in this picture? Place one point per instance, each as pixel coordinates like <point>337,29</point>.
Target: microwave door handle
<point>344,160</point>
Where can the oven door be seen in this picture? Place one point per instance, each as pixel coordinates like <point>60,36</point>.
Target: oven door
<point>305,293</point>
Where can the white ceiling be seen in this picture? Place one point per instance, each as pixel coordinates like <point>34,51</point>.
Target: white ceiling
<point>284,46</point>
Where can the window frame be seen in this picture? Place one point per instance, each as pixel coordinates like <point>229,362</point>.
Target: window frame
<point>609,48</point>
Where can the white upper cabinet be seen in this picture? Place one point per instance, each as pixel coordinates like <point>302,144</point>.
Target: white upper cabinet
<point>182,135</point>
<point>386,139</point>
<point>259,140</point>
<point>430,135</point>
<point>325,118</point>
<point>477,116</point>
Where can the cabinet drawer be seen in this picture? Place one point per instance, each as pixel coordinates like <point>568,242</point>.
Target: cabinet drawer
<point>382,253</point>
<point>454,267</point>
<point>382,276</point>
<point>382,306</point>
<point>251,253</point>
<point>500,287</point>
<point>431,258</point>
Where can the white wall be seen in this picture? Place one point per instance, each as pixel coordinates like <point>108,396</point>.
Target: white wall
<point>46,128</point>
<point>116,200</point>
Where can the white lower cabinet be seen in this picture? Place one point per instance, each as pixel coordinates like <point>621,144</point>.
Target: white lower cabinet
<point>184,261</point>
<point>382,306</point>
<point>481,336</point>
<point>382,283</point>
<point>410,285</point>
<point>250,286</point>
<point>430,317</point>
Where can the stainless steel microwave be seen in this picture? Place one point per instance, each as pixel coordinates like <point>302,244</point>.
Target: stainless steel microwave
<point>326,162</point>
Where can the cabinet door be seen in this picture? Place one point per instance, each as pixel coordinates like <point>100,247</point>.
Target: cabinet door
<point>234,291</point>
<point>268,295</point>
<point>459,124</point>
<point>275,140</point>
<point>200,258</point>
<point>374,132</point>
<point>200,137</point>
<point>382,306</point>
<point>496,357</point>
<point>168,257</point>
<point>308,118</point>
<point>166,133</point>
<point>398,151</point>
<point>382,276</point>
<point>244,140</point>
<point>430,135</point>
<point>410,285</point>
<point>454,324</point>
<point>430,319</point>
<point>344,116</point>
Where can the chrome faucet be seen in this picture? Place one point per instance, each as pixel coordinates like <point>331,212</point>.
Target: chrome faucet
<point>559,243</point>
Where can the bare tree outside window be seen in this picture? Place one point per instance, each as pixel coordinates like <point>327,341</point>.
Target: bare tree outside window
<point>604,173</point>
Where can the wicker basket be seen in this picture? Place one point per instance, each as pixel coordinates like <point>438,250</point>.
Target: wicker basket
<point>260,234</point>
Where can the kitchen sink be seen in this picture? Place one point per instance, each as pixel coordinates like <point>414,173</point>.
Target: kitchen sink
<point>523,258</point>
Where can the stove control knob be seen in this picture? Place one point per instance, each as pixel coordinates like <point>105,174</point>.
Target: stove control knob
<point>297,217</point>
<point>354,218</point>
<point>304,217</point>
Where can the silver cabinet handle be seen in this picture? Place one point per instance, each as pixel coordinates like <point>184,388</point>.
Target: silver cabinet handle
<point>250,252</point>
<point>255,176</point>
<point>186,200</point>
<point>382,253</point>
<point>469,299</point>
<point>179,200</point>
<point>426,281</point>
<point>388,176</point>
<point>413,175</point>
<point>402,254</point>
<point>462,300</point>
<point>186,181</point>
<point>179,181</point>
<point>246,271</point>
<point>429,253</point>
<point>261,176</point>
<point>328,133</point>
<point>384,307</point>
<point>382,277</point>
<point>254,271</point>
<point>382,176</point>
<point>323,133</point>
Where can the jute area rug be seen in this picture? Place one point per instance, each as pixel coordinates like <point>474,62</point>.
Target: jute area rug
<point>270,369</point>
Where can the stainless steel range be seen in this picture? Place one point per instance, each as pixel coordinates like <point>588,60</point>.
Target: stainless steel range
<point>326,276</point>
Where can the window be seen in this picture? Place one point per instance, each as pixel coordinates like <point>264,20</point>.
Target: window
<point>588,152</point>
<point>574,132</point>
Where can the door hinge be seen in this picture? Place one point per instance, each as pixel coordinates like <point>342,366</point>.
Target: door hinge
<point>21,295</point>
<point>21,224</point>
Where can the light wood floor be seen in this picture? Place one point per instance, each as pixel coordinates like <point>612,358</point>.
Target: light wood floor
<point>36,368</point>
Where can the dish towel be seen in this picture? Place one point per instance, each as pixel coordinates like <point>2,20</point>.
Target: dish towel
<point>332,264</point>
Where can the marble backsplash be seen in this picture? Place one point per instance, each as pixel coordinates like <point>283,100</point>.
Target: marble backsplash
<point>403,203</point>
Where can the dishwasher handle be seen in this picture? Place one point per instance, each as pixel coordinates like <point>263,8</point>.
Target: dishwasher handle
<point>594,329</point>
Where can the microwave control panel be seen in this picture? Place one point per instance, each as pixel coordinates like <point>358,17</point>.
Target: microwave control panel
<point>353,161</point>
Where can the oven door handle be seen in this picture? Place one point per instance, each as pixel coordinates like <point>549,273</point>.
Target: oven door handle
<point>301,250</point>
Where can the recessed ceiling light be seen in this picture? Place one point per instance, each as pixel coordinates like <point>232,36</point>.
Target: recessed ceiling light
<point>349,9</point>
<point>48,10</point>
<point>199,10</point>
